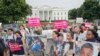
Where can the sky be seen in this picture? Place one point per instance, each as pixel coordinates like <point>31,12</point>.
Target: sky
<point>67,4</point>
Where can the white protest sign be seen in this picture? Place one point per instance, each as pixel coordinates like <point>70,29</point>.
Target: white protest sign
<point>79,20</point>
<point>47,33</point>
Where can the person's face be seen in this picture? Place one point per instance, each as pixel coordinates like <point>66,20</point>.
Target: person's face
<point>89,35</point>
<point>73,30</point>
<point>61,30</point>
<point>18,35</point>
<point>21,27</point>
<point>60,38</point>
<point>54,35</point>
<point>10,32</point>
<point>69,37</point>
<point>86,52</point>
<point>77,29</point>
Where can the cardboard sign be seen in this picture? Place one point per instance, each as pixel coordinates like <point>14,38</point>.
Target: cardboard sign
<point>34,22</point>
<point>87,24</point>
<point>60,24</point>
<point>79,20</point>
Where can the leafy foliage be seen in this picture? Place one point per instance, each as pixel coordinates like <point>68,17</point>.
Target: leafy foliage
<point>13,10</point>
<point>89,10</point>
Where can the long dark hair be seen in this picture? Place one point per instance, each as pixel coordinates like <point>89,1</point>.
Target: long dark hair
<point>57,33</point>
<point>22,26</point>
<point>72,34</point>
<point>95,34</point>
<point>81,30</point>
<point>19,33</point>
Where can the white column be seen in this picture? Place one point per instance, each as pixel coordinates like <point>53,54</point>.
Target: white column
<point>43,16</point>
<point>38,14</point>
<point>48,14</point>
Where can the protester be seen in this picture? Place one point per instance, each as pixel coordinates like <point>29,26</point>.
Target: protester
<point>84,28</point>
<point>92,36</point>
<point>79,34</point>
<point>20,43</point>
<point>55,35</point>
<point>53,41</point>
<point>2,44</point>
<point>10,36</point>
<point>22,30</point>
<point>70,41</point>
<point>25,33</point>
<point>60,43</point>
<point>2,47</point>
<point>61,47</point>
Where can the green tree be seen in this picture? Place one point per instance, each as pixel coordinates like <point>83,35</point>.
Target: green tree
<point>13,10</point>
<point>72,14</point>
<point>89,10</point>
<point>80,11</point>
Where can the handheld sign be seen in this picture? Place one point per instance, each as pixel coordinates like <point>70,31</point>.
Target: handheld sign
<point>60,24</point>
<point>34,22</point>
<point>87,24</point>
<point>79,20</point>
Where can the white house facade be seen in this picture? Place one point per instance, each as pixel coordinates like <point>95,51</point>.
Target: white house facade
<point>49,13</point>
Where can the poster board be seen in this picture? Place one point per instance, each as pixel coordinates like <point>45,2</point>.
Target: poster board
<point>79,20</point>
<point>34,22</point>
<point>60,24</point>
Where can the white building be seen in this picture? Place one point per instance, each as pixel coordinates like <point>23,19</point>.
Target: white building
<point>50,13</point>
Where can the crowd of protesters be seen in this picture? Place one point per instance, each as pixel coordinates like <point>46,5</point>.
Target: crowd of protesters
<point>28,41</point>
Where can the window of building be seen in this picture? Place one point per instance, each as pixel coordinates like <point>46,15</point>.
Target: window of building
<point>61,17</point>
<point>35,14</point>
<point>54,18</point>
<point>61,13</point>
<point>54,13</point>
<point>58,18</point>
<point>58,13</point>
<point>65,17</point>
<point>65,13</point>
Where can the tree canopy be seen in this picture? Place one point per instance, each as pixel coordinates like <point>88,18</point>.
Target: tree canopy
<point>13,10</point>
<point>89,10</point>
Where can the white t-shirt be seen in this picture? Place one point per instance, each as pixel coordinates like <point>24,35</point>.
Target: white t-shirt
<point>81,37</point>
<point>10,36</point>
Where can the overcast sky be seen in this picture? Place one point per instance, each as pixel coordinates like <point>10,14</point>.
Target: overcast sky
<point>68,4</point>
